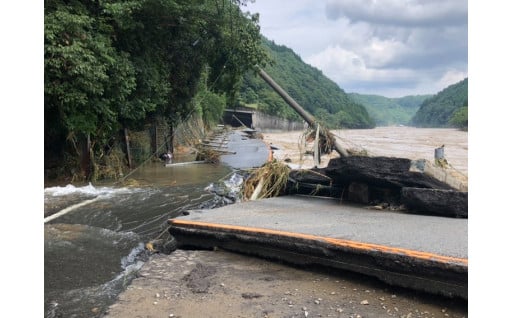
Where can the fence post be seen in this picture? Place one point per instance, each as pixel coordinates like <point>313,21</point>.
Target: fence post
<point>128,152</point>
<point>316,153</point>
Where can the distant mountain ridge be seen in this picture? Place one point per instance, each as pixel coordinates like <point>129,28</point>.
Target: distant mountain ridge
<point>387,111</point>
<point>439,110</point>
<point>316,93</point>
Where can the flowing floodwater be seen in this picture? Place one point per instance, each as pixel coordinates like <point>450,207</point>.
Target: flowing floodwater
<point>95,245</point>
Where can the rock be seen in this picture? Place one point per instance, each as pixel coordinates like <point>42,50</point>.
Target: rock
<point>364,302</point>
<point>197,280</point>
<point>251,295</point>
<point>436,201</point>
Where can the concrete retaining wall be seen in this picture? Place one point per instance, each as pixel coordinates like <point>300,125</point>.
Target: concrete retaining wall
<point>268,123</point>
<point>260,121</point>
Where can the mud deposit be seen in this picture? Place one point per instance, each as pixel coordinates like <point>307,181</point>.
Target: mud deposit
<point>222,284</point>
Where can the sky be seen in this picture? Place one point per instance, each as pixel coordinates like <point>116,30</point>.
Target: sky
<point>391,48</point>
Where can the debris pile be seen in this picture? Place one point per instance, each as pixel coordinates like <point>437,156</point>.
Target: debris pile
<point>384,181</point>
<point>268,181</point>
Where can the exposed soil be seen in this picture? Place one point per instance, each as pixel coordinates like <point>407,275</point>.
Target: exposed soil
<point>223,284</point>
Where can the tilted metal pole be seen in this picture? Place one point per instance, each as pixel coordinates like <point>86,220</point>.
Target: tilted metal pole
<point>303,113</point>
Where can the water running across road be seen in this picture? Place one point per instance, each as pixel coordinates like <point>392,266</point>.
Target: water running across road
<point>94,249</point>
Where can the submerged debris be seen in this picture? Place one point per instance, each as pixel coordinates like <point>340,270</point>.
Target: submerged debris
<point>162,245</point>
<point>208,155</point>
<point>227,191</point>
<point>269,180</point>
<point>230,188</point>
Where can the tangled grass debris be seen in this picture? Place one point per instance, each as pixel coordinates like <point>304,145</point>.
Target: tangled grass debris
<point>326,140</point>
<point>268,181</point>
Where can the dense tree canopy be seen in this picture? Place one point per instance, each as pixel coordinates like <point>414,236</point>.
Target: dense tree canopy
<point>439,109</point>
<point>459,118</point>
<point>319,95</point>
<point>112,63</point>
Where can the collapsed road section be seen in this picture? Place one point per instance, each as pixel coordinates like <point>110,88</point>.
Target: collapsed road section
<point>237,148</point>
<point>421,252</point>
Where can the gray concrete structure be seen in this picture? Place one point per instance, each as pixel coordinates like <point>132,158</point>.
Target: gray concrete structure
<point>425,253</point>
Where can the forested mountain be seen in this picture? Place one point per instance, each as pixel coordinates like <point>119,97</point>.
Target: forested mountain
<point>390,111</point>
<point>319,95</point>
<point>446,108</point>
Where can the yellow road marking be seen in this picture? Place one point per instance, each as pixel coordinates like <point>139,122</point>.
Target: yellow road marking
<point>333,241</point>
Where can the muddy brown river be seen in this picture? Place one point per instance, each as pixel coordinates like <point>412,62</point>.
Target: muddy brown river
<point>405,142</point>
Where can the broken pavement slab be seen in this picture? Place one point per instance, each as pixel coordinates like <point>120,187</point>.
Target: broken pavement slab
<point>382,180</point>
<point>420,252</point>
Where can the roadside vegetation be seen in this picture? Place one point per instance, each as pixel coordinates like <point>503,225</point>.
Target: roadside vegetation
<point>114,64</point>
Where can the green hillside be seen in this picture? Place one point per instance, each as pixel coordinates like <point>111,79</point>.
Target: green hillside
<point>308,86</point>
<point>390,111</point>
<point>445,108</point>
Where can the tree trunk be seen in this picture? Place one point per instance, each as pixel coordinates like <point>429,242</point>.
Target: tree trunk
<point>171,139</point>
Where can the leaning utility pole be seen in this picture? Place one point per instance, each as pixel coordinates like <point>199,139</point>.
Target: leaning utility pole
<point>303,113</point>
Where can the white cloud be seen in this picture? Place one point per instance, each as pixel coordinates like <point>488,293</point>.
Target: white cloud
<point>411,13</point>
<point>350,71</point>
<point>300,25</point>
<point>450,77</point>
<point>387,47</point>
